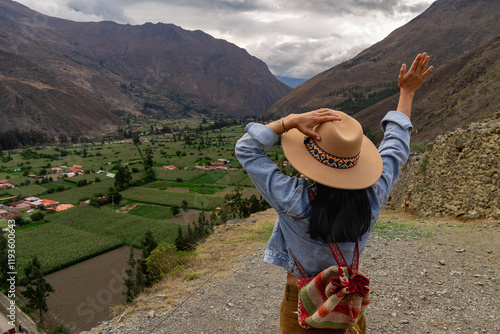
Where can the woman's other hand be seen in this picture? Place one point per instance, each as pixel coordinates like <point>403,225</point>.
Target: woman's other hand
<point>307,121</point>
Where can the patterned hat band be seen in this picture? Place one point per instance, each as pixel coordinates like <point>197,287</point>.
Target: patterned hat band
<point>328,159</point>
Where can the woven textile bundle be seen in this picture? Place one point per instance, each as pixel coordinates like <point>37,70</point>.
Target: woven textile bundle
<point>334,299</point>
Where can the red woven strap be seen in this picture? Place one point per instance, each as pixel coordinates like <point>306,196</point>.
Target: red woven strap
<point>337,254</point>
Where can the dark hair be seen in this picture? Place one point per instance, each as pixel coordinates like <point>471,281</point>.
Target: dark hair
<point>339,215</point>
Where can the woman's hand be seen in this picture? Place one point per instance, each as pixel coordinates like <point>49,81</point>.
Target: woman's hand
<point>307,121</point>
<point>410,81</point>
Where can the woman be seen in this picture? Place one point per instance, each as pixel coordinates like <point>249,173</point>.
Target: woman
<point>351,182</point>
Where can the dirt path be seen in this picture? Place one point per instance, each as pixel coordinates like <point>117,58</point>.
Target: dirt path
<point>427,276</point>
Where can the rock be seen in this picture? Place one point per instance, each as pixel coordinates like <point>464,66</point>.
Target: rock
<point>231,222</point>
<point>442,262</point>
<point>151,314</point>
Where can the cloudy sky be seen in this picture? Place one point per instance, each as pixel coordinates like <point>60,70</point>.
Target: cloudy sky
<point>295,38</point>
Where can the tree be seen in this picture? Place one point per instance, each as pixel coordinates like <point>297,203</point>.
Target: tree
<point>129,280</point>
<point>143,278</point>
<point>148,161</point>
<point>148,244</point>
<point>37,288</point>
<point>180,241</point>
<point>62,139</point>
<point>4,260</point>
<point>136,139</point>
<point>175,210</point>
<point>61,329</point>
<point>122,177</point>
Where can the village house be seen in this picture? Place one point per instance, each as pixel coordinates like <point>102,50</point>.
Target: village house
<point>6,184</point>
<point>62,207</point>
<point>220,162</point>
<point>37,203</point>
<point>9,215</point>
<point>171,167</point>
<point>18,206</point>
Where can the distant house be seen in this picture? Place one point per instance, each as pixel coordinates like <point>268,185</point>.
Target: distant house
<point>111,175</point>
<point>19,206</point>
<point>6,185</point>
<point>48,203</point>
<point>43,204</point>
<point>31,199</point>
<point>63,207</point>
<point>171,167</point>
<point>9,215</point>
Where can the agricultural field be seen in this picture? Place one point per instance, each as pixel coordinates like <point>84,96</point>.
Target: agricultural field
<point>82,232</point>
<point>171,198</point>
<point>75,195</point>
<point>59,246</point>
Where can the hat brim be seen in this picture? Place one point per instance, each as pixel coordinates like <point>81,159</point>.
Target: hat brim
<point>366,172</point>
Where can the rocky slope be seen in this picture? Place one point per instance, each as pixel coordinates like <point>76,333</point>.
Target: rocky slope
<point>457,175</point>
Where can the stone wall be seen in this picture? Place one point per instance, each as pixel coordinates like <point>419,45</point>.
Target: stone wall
<point>459,174</point>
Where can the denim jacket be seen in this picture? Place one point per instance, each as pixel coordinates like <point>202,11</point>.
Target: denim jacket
<point>290,242</point>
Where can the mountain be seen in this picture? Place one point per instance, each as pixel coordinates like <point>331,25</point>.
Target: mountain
<point>291,82</point>
<point>461,92</point>
<point>447,30</point>
<point>102,69</point>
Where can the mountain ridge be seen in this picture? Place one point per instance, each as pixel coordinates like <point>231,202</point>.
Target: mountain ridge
<point>127,69</point>
<point>443,31</point>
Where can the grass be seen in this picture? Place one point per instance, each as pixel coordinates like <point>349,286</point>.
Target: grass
<point>165,197</point>
<point>406,230</point>
<point>73,196</point>
<point>27,191</point>
<point>68,245</point>
<point>129,229</point>
<point>152,211</point>
<point>30,226</point>
<point>209,178</point>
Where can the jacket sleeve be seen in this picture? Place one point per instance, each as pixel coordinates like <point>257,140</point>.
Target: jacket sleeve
<point>394,150</point>
<point>281,192</point>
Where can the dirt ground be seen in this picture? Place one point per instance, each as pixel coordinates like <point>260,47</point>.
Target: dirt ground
<point>428,275</point>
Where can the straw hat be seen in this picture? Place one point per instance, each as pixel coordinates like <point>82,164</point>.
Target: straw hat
<point>343,158</point>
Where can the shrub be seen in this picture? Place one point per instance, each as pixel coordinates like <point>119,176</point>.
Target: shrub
<point>37,216</point>
<point>166,260</point>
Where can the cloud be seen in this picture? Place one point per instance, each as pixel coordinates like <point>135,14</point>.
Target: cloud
<point>105,9</point>
<point>295,38</point>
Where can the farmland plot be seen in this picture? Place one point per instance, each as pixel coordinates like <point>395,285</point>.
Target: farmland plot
<point>60,246</point>
<point>171,198</point>
<point>129,229</point>
<point>73,196</point>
